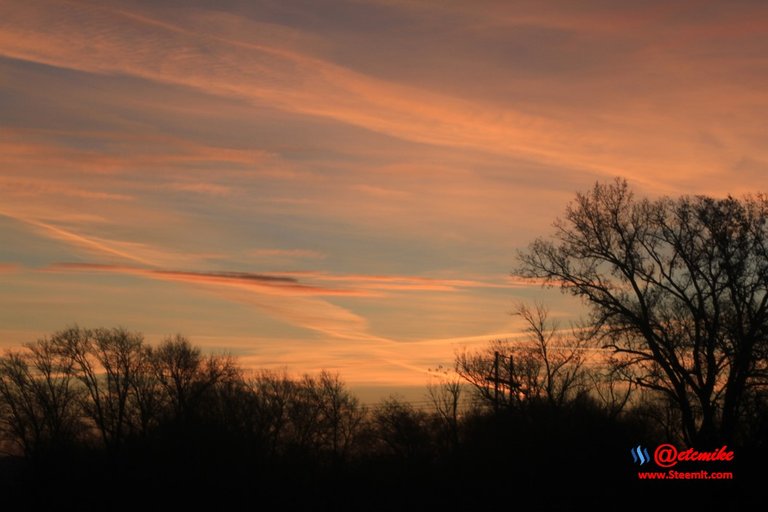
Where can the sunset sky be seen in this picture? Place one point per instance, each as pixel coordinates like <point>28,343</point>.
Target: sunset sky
<point>344,184</point>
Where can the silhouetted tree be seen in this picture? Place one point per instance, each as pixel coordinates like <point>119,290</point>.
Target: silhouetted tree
<point>39,399</point>
<point>446,393</point>
<point>323,415</point>
<point>560,374</point>
<point>186,375</point>
<point>196,425</point>
<point>146,401</point>
<point>269,420</point>
<point>611,390</point>
<point>678,288</point>
<point>106,362</point>
<point>341,416</point>
<point>402,430</point>
<point>545,366</point>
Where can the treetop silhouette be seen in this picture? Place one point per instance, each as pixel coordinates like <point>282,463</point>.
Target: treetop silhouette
<point>677,288</point>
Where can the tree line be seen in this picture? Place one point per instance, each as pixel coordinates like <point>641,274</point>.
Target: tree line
<point>106,388</point>
<point>675,349</point>
<point>104,403</point>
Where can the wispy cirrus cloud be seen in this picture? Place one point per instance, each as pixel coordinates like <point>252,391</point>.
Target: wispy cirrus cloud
<point>105,152</point>
<point>237,62</point>
<point>20,187</point>
<point>212,189</point>
<point>262,283</point>
<point>306,283</point>
<point>121,250</point>
<point>286,253</point>
<point>282,297</point>
<point>407,283</point>
<point>367,168</point>
<point>300,298</point>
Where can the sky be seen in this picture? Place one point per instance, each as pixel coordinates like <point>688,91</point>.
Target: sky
<point>345,184</point>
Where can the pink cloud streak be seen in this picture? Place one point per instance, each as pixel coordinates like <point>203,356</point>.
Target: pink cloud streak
<point>237,64</point>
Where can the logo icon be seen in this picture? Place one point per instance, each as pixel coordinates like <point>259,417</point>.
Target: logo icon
<point>640,455</point>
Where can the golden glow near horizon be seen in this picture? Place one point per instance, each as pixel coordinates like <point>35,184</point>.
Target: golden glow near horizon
<point>344,184</point>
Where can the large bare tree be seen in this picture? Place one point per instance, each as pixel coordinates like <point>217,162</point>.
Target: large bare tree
<point>677,287</point>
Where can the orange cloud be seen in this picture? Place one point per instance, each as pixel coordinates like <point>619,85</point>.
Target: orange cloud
<point>283,298</point>
<point>263,283</point>
<point>404,283</point>
<point>110,247</point>
<point>31,187</point>
<point>203,188</point>
<point>295,298</point>
<point>134,252</point>
<point>286,253</point>
<point>117,152</point>
<point>473,160</point>
<point>239,63</point>
<point>288,283</point>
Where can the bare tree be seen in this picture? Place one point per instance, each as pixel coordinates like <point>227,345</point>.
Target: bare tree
<point>106,362</point>
<point>402,430</point>
<point>186,375</point>
<point>446,392</point>
<point>146,401</point>
<point>341,414</point>
<point>612,391</point>
<point>304,413</point>
<point>481,370</point>
<point>561,359</point>
<point>546,365</point>
<point>324,417</point>
<point>39,398</point>
<point>273,395</point>
<point>678,288</point>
